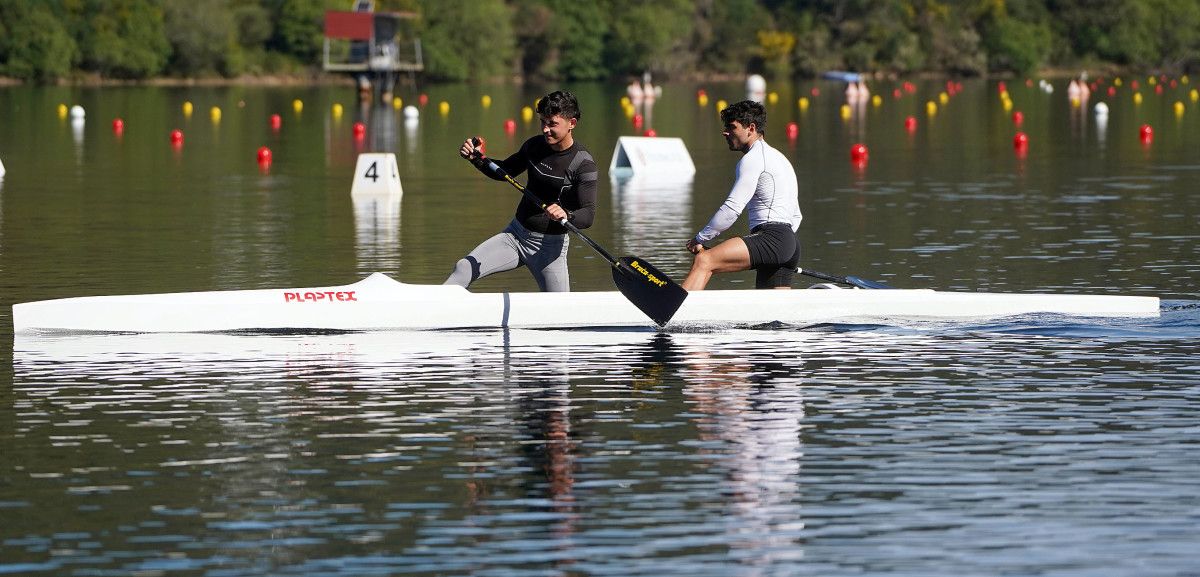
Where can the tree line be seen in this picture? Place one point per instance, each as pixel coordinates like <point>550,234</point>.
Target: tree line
<point>50,40</point>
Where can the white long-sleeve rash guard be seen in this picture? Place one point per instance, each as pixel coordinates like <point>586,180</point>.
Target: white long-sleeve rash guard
<point>765,182</point>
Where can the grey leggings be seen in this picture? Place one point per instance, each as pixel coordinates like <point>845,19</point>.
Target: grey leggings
<point>544,254</point>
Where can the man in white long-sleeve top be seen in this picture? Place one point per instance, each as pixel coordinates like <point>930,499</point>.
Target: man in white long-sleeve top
<point>765,186</point>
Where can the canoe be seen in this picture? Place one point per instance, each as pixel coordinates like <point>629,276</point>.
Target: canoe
<point>379,302</point>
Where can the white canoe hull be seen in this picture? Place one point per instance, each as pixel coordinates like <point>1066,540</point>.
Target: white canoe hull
<point>381,303</point>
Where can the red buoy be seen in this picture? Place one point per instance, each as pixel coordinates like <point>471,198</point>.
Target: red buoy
<point>118,126</point>
<point>910,123</point>
<point>650,132</point>
<point>264,154</point>
<point>1018,118</point>
<point>897,94</point>
<point>423,99</point>
<point>1112,91</point>
<point>1020,141</point>
<point>360,130</point>
<point>1146,133</point>
<point>637,120</point>
<point>815,92</point>
<point>793,130</point>
<point>276,122</point>
<point>858,153</point>
<point>177,137</point>
<point>510,126</point>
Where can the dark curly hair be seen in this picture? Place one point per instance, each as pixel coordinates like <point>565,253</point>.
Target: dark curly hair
<point>559,102</point>
<point>745,113</point>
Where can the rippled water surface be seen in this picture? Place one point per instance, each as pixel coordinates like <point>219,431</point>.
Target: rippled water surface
<point>1037,445</point>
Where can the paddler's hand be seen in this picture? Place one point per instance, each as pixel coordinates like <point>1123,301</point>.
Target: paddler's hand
<point>694,247</point>
<point>471,150</point>
<point>557,213</point>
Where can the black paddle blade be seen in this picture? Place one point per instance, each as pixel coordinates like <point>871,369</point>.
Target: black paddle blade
<point>648,288</point>
<point>867,284</point>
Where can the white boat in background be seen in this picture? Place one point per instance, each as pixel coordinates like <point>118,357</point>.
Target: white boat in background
<point>379,302</point>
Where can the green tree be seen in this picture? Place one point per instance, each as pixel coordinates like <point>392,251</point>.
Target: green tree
<point>124,38</point>
<point>467,39</point>
<point>34,44</point>
<point>580,39</point>
<point>649,35</point>
<point>299,29</point>
<point>200,32</point>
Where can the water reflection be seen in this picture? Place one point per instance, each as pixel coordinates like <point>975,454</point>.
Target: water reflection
<point>377,231</point>
<point>651,217</point>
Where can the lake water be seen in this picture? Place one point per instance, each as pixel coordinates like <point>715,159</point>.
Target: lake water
<point>1035,445</point>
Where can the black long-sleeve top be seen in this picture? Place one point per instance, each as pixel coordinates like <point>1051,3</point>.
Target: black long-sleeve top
<point>567,178</point>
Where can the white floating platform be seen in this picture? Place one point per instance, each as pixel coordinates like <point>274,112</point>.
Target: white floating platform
<point>652,158</point>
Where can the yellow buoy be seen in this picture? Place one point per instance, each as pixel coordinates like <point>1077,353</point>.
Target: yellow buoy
<point>702,100</point>
<point>526,114</point>
<point>297,105</point>
<point>1137,97</point>
<point>336,110</point>
<point>802,103</point>
<point>1151,80</point>
<point>876,100</point>
<point>1117,81</point>
<point>845,112</point>
<point>721,105</point>
<point>629,110</point>
<point>187,108</point>
<point>931,108</point>
<point>625,101</point>
<point>444,107</point>
<point>215,113</point>
<point>943,98</point>
<point>1194,95</point>
<point>1003,95</point>
<point>1007,104</point>
<point>1184,79</point>
<point>397,103</point>
<point>772,98</point>
<point>62,110</point>
<point>486,101</point>
<point>1179,109</point>
<point>1074,102</point>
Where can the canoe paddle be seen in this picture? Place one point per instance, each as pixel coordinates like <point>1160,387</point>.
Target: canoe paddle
<point>850,280</point>
<point>648,288</point>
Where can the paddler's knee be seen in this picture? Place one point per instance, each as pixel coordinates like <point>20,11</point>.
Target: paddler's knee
<point>466,271</point>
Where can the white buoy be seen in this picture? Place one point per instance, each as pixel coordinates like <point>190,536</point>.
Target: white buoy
<point>756,87</point>
<point>1,168</point>
<point>1101,109</point>
<point>376,173</point>
<point>411,111</point>
<point>77,111</point>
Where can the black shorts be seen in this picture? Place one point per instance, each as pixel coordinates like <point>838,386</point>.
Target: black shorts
<point>774,254</point>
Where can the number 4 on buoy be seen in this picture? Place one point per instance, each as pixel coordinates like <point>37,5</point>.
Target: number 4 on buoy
<point>377,173</point>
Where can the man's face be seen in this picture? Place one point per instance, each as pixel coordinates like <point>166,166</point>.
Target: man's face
<point>556,128</point>
<point>737,135</point>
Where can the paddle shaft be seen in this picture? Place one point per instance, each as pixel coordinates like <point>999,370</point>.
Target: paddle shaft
<point>852,281</point>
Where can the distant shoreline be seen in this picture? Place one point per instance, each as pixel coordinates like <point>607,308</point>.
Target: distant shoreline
<point>326,79</point>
